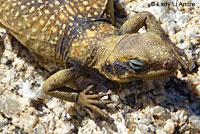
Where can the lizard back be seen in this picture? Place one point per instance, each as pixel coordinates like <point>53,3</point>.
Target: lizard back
<point>48,26</point>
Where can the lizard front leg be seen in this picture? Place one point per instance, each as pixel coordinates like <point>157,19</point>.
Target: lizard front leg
<point>133,24</point>
<point>55,86</point>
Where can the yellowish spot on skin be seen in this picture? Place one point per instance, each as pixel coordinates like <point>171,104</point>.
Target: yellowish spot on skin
<point>32,9</point>
<point>34,37</point>
<point>42,37</point>
<point>81,8</point>
<point>17,14</point>
<point>69,9</point>
<point>75,44</point>
<point>34,30</point>
<point>80,16</point>
<point>28,25</point>
<point>71,18</point>
<point>60,32</point>
<point>57,3</point>
<point>19,3</point>
<point>14,4</point>
<point>88,8</point>
<point>93,27</point>
<point>82,49</point>
<point>55,12</point>
<point>90,33</point>
<point>75,10</point>
<point>34,18</point>
<point>12,24</point>
<point>95,6</point>
<point>68,32</point>
<point>64,26</point>
<point>54,30</point>
<point>19,24</point>
<point>89,15</point>
<point>46,2</point>
<point>28,36</point>
<point>75,40</point>
<point>165,54</point>
<point>52,17</point>
<point>48,23</point>
<point>25,18</point>
<point>7,8</point>
<point>95,13</point>
<point>47,37</point>
<point>41,6</point>
<point>62,17</point>
<point>51,5</point>
<point>40,13</point>
<point>72,4</point>
<point>46,11</point>
<point>3,5</point>
<point>64,11</point>
<point>52,42</point>
<point>40,1</point>
<point>85,3</point>
<point>44,29</point>
<point>71,24</point>
<point>12,10</point>
<point>58,22</point>
<point>42,21</point>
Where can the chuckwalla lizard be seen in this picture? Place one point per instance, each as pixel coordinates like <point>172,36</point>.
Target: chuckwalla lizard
<point>78,33</point>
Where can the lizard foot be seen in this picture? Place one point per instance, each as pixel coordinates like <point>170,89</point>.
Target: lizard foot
<point>89,102</point>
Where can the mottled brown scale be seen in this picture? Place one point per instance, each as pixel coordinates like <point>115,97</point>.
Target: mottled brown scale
<point>46,23</point>
<point>81,33</point>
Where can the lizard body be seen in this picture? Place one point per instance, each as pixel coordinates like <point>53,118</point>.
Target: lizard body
<point>81,33</point>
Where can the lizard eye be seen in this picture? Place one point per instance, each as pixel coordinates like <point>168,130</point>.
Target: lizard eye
<point>135,64</point>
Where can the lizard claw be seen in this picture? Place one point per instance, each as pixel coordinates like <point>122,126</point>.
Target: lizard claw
<point>89,102</point>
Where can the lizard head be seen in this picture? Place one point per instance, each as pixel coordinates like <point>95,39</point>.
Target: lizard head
<point>140,56</point>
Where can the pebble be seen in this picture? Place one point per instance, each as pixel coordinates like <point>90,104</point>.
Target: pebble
<point>182,116</point>
<point>169,127</point>
<point>39,129</point>
<point>11,106</point>
<point>158,110</point>
<point>197,90</point>
<point>195,121</point>
<point>3,122</point>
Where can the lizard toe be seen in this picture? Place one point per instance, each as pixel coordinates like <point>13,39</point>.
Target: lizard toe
<point>89,102</point>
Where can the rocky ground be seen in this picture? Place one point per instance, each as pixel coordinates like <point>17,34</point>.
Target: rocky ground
<point>166,106</point>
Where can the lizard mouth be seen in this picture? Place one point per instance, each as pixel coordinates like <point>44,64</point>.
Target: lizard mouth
<point>144,76</point>
<point>125,72</point>
<point>153,74</point>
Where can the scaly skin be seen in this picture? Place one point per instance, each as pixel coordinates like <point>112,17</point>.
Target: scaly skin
<point>76,32</point>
